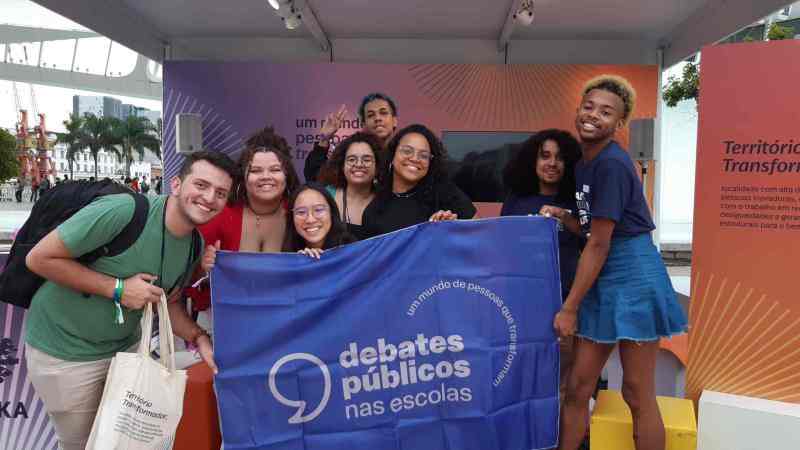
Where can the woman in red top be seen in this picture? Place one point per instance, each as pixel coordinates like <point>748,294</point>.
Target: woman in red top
<point>255,218</point>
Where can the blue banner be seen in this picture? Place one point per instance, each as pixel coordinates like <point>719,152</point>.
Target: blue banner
<point>435,337</point>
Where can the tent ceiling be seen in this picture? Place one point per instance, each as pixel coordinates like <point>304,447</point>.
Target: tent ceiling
<point>681,26</point>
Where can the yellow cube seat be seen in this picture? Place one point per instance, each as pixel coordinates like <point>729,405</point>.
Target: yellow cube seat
<point>611,427</point>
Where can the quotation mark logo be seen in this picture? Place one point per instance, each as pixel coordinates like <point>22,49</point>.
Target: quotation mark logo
<point>298,416</point>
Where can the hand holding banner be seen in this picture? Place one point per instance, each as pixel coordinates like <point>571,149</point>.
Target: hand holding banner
<point>438,336</point>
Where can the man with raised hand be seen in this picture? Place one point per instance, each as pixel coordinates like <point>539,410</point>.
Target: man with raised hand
<point>84,314</point>
<point>378,113</point>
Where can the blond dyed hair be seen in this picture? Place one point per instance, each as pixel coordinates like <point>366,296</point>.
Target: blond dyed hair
<point>618,86</point>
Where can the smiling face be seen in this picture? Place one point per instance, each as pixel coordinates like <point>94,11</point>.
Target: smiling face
<point>266,180</point>
<point>202,193</point>
<point>359,164</point>
<point>312,218</point>
<point>412,159</point>
<point>379,119</point>
<point>549,166</point>
<point>600,115</point>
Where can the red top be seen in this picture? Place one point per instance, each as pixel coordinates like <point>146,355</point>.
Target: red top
<point>226,228</point>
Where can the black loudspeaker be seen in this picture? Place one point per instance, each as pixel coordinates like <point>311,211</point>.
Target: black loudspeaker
<point>642,139</point>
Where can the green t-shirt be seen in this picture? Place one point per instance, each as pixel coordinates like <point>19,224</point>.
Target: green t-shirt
<point>71,326</point>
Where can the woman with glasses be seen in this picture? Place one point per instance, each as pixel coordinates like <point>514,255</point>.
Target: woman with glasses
<point>314,224</point>
<point>255,218</point>
<point>413,186</point>
<point>350,178</point>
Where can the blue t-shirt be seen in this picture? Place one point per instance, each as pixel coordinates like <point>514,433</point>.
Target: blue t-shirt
<point>569,243</point>
<point>609,187</point>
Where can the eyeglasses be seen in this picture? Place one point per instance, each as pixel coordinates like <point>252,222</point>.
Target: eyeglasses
<point>318,211</point>
<point>365,160</point>
<point>409,151</point>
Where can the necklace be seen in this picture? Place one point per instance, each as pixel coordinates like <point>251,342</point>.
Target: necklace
<point>262,216</point>
<point>405,194</point>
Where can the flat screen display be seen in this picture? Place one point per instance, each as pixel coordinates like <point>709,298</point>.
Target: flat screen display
<point>477,160</point>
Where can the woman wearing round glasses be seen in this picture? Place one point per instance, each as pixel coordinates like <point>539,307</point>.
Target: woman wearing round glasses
<point>314,224</point>
<point>413,186</point>
<point>350,176</point>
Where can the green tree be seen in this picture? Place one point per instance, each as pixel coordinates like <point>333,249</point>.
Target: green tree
<point>135,134</point>
<point>98,134</point>
<point>684,88</point>
<point>778,32</point>
<point>9,165</point>
<point>74,140</point>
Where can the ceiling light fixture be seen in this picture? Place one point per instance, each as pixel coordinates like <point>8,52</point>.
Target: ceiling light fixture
<point>520,13</point>
<point>294,13</point>
<point>524,15</point>
<point>290,14</point>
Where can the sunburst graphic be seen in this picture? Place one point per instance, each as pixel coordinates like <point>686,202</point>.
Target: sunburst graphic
<point>34,432</point>
<point>218,132</point>
<point>514,97</point>
<point>742,343</point>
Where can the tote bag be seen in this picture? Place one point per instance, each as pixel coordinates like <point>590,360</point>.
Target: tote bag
<point>143,398</point>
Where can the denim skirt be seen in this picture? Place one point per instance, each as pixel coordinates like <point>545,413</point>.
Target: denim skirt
<point>632,298</point>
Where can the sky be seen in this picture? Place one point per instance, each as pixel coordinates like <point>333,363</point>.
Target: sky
<point>55,102</point>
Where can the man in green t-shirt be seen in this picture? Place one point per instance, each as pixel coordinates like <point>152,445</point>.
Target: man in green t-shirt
<point>84,314</point>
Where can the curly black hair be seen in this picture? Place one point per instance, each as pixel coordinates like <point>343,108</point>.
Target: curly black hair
<point>265,140</point>
<point>333,171</point>
<point>337,235</point>
<point>437,168</point>
<point>519,175</point>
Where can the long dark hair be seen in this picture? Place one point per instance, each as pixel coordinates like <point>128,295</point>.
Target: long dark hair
<point>337,235</point>
<point>265,141</point>
<point>437,167</point>
<point>520,176</point>
<point>333,171</point>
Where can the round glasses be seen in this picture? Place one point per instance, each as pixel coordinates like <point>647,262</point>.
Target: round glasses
<point>365,160</point>
<point>408,151</point>
<point>318,211</point>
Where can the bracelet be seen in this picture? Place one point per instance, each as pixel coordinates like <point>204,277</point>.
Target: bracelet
<point>199,331</point>
<point>119,287</point>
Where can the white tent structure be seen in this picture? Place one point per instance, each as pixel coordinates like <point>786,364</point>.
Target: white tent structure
<point>419,31</point>
<point>653,32</point>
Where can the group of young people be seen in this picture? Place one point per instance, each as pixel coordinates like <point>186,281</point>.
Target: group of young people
<point>381,179</point>
<point>375,181</point>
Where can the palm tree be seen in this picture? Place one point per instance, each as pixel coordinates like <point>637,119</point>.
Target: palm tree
<point>73,138</point>
<point>99,135</point>
<point>136,134</point>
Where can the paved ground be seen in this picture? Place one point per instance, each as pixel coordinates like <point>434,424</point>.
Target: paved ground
<point>12,216</point>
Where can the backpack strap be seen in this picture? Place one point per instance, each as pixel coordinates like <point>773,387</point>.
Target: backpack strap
<point>127,236</point>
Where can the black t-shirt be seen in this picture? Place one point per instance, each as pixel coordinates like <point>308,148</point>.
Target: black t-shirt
<point>385,215</point>
<point>314,162</point>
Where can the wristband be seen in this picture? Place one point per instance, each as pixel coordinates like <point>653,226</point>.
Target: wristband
<point>119,287</point>
<point>199,331</point>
